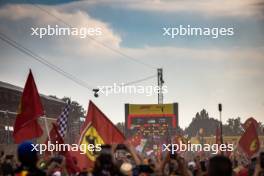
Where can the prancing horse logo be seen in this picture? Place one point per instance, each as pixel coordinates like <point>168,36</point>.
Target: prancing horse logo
<point>91,140</point>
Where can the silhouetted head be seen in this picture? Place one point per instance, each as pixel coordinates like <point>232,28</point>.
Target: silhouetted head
<point>106,161</point>
<point>104,165</point>
<point>26,155</point>
<point>219,166</point>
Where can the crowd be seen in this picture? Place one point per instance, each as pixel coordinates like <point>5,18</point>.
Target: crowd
<point>124,160</point>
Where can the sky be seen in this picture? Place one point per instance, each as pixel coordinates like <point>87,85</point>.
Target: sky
<point>199,71</point>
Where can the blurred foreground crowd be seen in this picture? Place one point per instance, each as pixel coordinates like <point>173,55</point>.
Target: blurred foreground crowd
<point>124,160</point>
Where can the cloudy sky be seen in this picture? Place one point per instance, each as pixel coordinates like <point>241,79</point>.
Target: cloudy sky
<point>199,71</point>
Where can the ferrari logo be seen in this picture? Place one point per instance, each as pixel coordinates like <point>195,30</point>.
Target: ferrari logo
<point>253,145</point>
<point>91,137</point>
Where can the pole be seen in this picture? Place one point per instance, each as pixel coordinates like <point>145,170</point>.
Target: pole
<point>47,129</point>
<point>160,85</point>
<point>221,124</point>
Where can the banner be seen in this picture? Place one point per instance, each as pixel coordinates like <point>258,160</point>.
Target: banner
<point>30,109</point>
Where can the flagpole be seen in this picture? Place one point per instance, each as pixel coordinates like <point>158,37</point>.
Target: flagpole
<point>221,124</point>
<point>47,129</point>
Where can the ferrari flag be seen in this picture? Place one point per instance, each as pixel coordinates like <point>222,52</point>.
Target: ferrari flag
<point>30,109</point>
<point>250,121</point>
<point>249,141</point>
<point>98,130</point>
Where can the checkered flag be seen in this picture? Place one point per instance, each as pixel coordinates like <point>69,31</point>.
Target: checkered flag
<point>62,120</point>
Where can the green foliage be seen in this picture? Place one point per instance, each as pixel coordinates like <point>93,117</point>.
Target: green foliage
<point>202,120</point>
<point>233,126</point>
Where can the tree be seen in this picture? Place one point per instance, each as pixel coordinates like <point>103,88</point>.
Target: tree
<point>202,120</point>
<point>233,127</point>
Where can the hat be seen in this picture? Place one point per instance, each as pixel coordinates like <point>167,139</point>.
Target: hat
<point>26,153</point>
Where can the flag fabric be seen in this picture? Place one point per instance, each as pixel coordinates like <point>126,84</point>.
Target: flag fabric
<point>218,139</point>
<point>63,119</point>
<point>249,141</point>
<point>59,129</point>
<point>97,130</point>
<point>71,163</point>
<point>55,138</point>
<point>57,134</point>
<point>249,121</point>
<point>54,135</point>
<point>30,109</point>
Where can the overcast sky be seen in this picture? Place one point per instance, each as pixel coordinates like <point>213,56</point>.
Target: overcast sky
<point>199,72</point>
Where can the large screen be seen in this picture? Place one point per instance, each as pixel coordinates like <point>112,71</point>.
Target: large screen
<point>152,126</point>
<point>151,119</point>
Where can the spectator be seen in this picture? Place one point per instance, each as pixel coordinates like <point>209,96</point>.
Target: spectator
<point>220,166</point>
<point>28,159</point>
<point>104,166</point>
<point>8,166</point>
<point>174,165</point>
<point>56,166</point>
<point>259,167</point>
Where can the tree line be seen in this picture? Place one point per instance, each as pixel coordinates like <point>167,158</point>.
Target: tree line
<point>232,127</point>
<point>202,120</point>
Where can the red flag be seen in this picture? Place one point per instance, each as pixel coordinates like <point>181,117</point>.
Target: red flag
<point>218,136</point>
<point>249,141</point>
<point>55,135</point>
<point>97,130</point>
<point>54,138</point>
<point>30,109</point>
<point>81,162</point>
<point>249,121</point>
<point>71,163</point>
